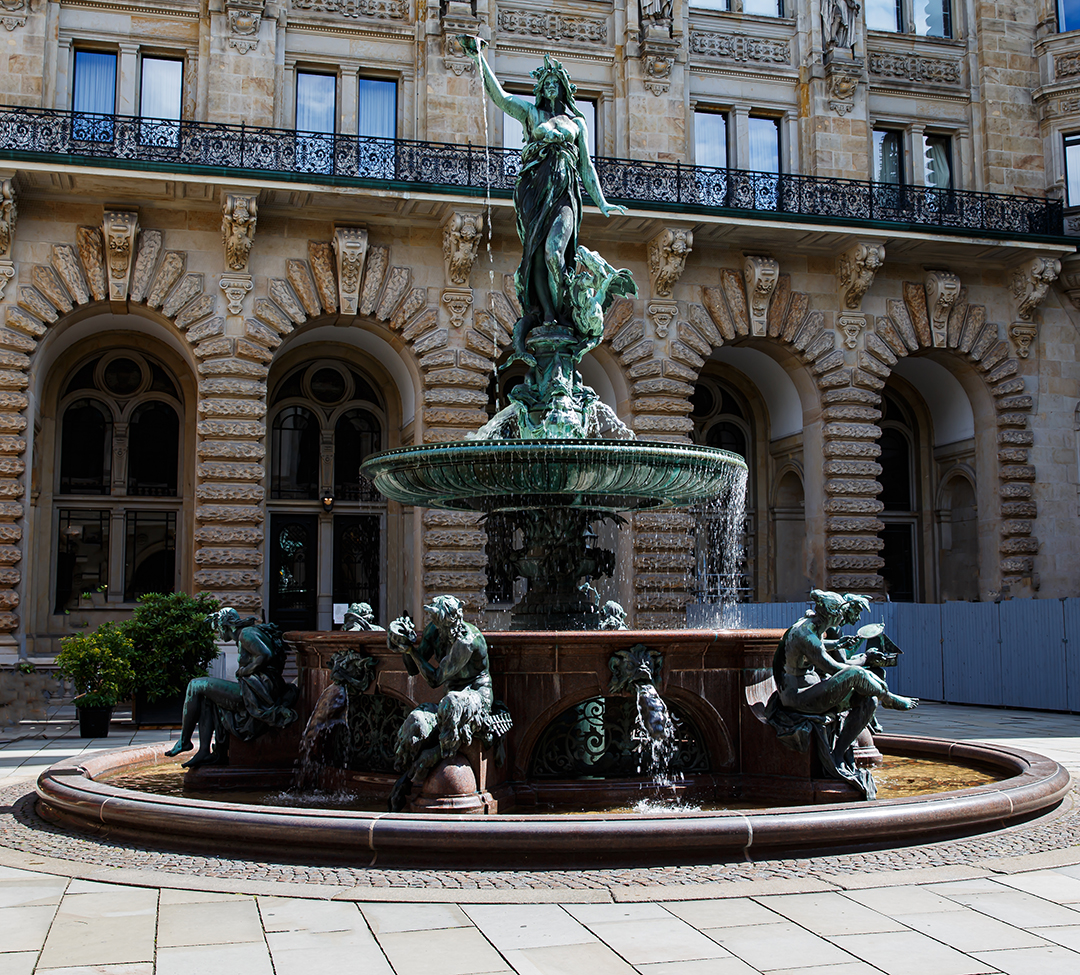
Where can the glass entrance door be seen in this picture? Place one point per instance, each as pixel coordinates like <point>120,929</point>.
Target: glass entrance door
<point>356,559</point>
<point>294,570</point>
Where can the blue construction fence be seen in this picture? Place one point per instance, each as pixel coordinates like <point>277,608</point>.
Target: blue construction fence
<point>1021,653</point>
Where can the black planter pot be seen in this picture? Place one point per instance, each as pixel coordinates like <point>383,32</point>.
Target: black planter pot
<point>94,722</point>
<point>165,713</point>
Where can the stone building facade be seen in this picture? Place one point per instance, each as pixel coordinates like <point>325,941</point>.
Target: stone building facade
<point>210,317</point>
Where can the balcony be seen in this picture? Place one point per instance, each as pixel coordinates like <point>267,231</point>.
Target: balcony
<point>347,160</point>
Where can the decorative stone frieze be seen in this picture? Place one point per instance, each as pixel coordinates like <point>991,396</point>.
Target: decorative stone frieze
<point>1066,65</point>
<point>236,287</point>
<point>321,261</point>
<point>462,234</point>
<point>457,302</point>
<point>374,9</point>
<point>243,18</point>
<point>856,270</point>
<point>350,251</point>
<point>657,68</point>
<point>88,242</point>
<point>454,57</point>
<point>120,228</point>
<point>761,274</point>
<point>239,215</point>
<point>915,69</point>
<point>737,47</point>
<point>1031,282</point>
<point>667,253</point>
<point>552,26</point>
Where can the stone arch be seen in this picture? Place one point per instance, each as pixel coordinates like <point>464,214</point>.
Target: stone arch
<point>913,324</point>
<point>81,277</point>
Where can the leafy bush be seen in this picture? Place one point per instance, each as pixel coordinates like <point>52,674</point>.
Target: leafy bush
<point>97,664</point>
<point>173,643</point>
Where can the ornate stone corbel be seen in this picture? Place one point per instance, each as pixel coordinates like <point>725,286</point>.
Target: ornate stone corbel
<point>13,13</point>
<point>119,229</point>
<point>842,77</point>
<point>761,275</point>
<point>454,57</point>
<point>857,268</point>
<point>851,327</point>
<point>663,313</point>
<point>239,215</point>
<point>458,301</point>
<point>667,253</point>
<point>9,214</point>
<point>1023,334</point>
<point>461,243</point>
<point>243,18</point>
<point>350,250</point>
<point>1070,280</point>
<point>942,290</point>
<point>1030,283</point>
<point>236,286</point>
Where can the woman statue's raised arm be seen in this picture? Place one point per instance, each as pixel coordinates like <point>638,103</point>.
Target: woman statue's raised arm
<point>516,108</point>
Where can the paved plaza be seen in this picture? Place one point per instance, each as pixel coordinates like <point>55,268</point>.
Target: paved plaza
<point>1008,902</point>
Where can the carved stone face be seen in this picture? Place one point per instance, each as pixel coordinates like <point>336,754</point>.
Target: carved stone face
<point>766,272</point>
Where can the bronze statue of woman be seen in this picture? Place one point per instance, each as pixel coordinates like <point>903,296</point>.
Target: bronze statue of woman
<point>555,165</point>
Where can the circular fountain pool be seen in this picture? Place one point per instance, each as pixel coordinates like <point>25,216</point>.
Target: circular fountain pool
<point>82,796</point>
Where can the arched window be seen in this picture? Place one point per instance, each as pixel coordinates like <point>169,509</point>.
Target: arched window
<point>295,450</point>
<point>117,488</point>
<point>154,441</point>
<point>326,419</point>
<point>86,448</point>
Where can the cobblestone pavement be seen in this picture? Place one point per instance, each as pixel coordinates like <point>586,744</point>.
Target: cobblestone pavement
<point>1004,902</point>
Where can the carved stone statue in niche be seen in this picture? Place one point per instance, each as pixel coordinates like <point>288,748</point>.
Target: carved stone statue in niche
<point>239,215</point>
<point>656,16</point>
<point>668,251</point>
<point>838,18</point>
<point>461,243</point>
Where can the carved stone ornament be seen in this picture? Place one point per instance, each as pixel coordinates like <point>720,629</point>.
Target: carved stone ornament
<point>244,18</point>
<point>9,214</point>
<point>842,79</point>
<point>942,290</point>
<point>1031,282</point>
<point>120,228</point>
<point>667,254</point>
<point>1070,281</point>
<point>737,47</point>
<point>235,286</point>
<point>1023,334</point>
<point>553,26</point>
<point>858,266</point>
<point>350,250</point>
<point>461,243</point>
<point>239,215</point>
<point>7,272</point>
<point>454,58</point>
<point>375,9</point>
<point>13,13</point>
<point>658,72</point>
<point>761,275</point>
<point>663,314</point>
<point>910,67</point>
<point>851,327</point>
<point>457,301</point>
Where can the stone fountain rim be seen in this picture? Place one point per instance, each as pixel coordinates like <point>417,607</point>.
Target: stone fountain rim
<point>70,793</point>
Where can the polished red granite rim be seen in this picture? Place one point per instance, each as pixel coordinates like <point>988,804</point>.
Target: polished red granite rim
<point>69,794</point>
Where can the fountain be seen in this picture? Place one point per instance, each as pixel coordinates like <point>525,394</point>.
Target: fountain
<point>493,730</point>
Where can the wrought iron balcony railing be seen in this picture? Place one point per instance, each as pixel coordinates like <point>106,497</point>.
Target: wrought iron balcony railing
<point>27,133</point>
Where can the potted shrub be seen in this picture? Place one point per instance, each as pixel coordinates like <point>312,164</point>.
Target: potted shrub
<point>97,664</point>
<point>172,643</point>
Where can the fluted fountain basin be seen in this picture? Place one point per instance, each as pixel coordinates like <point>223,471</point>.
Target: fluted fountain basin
<point>516,475</point>
<point>73,793</point>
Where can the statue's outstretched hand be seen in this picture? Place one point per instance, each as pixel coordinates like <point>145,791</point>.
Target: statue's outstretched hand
<point>472,46</point>
<point>609,208</point>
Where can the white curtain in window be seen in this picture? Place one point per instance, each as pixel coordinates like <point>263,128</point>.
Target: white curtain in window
<point>711,4</point>
<point>162,88</point>
<point>1068,15</point>
<point>378,108</point>
<point>883,15</point>
<point>95,82</point>
<point>764,145</point>
<point>930,17</point>
<point>887,157</point>
<point>315,102</point>
<point>710,139</point>
<point>936,170</point>
<point>1072,170</point>
<point>764,8</point>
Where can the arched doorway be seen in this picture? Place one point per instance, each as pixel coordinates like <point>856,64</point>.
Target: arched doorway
<point>327,527</point>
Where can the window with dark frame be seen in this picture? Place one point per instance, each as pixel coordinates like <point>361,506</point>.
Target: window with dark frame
<point>1072,168</point>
